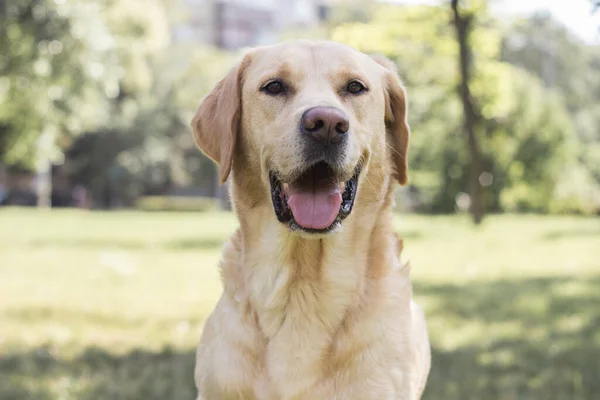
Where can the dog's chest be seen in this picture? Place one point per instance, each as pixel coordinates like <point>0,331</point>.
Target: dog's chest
<point>304,359</point>
<point>293,337</point>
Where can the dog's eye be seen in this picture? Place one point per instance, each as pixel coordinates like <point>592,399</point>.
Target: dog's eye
<point>355,87</point>
<point>273,88</point>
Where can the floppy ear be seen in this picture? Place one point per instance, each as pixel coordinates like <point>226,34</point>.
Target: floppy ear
<point>217,120</point>
<point>396,109</point>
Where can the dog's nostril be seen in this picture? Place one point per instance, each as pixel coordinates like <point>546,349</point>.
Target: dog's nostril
<point>342,127</point>
<point>315,125</point>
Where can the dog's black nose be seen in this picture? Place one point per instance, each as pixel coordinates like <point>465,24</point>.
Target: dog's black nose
<point>326,125</point>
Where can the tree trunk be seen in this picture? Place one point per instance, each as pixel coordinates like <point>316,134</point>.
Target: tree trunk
<point>44,170</point>
<point>463,25</point>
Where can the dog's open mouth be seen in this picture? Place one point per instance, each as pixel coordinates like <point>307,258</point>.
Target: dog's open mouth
<point>315,202</point>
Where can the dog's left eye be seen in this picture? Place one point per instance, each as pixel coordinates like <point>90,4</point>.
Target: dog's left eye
<point>274,87</point>
<point>355,87</point>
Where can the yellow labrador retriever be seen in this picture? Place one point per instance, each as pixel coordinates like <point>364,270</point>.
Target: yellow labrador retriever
<point>316,303</point>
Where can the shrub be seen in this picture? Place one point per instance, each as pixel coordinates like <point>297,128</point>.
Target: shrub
<point>176,203</point>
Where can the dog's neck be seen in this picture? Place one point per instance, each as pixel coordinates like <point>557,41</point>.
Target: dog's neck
<point>284,275</point>
<point>301,289</point>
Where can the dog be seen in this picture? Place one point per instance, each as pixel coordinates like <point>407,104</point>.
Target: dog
<point>316,303</point>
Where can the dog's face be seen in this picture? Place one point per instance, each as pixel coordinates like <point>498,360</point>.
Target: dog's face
<point>310,119</point>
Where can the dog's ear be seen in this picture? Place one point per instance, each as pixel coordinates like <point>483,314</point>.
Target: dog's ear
<point>216,124</point>
<point>396,110</point>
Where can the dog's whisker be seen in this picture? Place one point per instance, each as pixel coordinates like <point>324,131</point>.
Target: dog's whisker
<point>394,150</point>
<point>370,183</point>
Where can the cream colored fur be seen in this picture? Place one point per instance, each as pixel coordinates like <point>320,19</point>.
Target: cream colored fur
<point>319,317</point>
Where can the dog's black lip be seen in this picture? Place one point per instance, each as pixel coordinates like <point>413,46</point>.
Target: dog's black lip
<point>284,213</point>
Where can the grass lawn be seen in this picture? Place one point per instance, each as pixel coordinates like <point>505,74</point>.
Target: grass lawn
<point>97,305</point>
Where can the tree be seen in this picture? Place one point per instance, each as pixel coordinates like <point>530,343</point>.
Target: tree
<point>463,23</point>
<point>151,150</point>
<point>525,134</point>
<point>87,77</point>
<point>567,66</point>
<point>53,75</point>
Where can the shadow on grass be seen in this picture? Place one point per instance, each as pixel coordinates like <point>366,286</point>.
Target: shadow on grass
<point>97,374</point>
<point>554,354</point>
<point>570,233</point>
<point>208,243</point>
<point>552,351</point>
<point>195,244</point>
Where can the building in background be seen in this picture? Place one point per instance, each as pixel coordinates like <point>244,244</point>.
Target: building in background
<point>234,24</point>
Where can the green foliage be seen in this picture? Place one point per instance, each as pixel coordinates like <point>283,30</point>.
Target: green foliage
<point>100,79</point>
<point>544,47</point>
<point>102,83</point>
<point>155,150</point>
<point>173,203</point>
<point>577,191</point>
<point>532,147</point>
<point>54,71</point>
<point>526,133</point>
<point>71,67</point>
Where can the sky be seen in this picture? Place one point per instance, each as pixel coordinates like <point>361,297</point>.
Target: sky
<point>575,14</point>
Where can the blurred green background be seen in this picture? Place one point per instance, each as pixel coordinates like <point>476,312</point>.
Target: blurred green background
<point>104,299</point>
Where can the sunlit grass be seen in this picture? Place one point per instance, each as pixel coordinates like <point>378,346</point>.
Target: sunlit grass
<point>99,305</point>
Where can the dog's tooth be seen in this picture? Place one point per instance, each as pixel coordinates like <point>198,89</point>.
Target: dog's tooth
<point>346,207</point>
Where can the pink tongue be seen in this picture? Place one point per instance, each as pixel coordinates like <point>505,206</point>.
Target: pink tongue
<point>314,202</point>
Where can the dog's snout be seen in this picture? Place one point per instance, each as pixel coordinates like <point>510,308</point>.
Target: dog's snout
<point>327,125</point>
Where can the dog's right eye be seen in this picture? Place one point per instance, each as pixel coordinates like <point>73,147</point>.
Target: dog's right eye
<point>355,87</point>
<point>273,87</point>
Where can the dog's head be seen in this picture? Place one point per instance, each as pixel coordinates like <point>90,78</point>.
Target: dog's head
<point>302,125</point>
